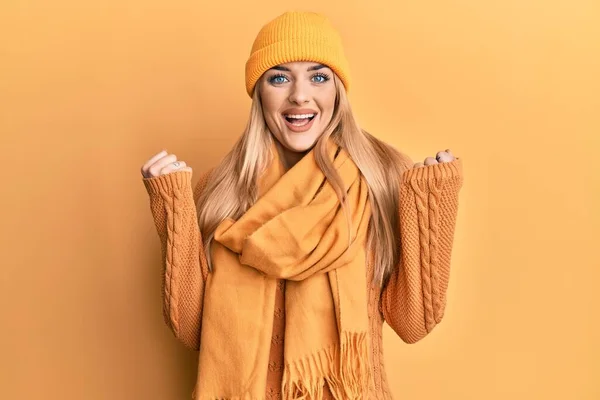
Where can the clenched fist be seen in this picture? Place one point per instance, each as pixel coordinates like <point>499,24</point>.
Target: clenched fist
<point>163,163</point>
<point>440,157</point>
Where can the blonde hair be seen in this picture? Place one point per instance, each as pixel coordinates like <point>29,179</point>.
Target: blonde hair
<point>232,186</point>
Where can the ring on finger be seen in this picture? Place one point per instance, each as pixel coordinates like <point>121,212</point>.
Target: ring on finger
<point>176,164</point>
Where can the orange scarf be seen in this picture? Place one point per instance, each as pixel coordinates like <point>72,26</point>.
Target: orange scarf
<point>296,231</point>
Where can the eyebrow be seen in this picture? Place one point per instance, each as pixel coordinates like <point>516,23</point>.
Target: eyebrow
<point>313,68</point>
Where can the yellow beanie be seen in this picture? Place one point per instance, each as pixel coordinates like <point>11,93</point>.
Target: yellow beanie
<point>296,36</point>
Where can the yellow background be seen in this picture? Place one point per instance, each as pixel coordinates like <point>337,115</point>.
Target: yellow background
<point>89,90</point>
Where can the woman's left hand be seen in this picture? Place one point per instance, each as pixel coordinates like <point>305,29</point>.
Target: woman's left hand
<point>440,157</point>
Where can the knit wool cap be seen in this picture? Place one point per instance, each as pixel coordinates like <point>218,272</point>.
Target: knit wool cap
<point>296,36</point>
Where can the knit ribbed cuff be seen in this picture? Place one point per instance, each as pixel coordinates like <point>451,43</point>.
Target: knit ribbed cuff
<point>445,170</point>
<point>167,183</point>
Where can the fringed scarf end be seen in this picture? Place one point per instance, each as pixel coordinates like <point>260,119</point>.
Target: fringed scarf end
<point>344,368</point>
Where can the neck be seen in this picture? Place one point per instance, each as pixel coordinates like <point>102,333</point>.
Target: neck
<point>289,157</point>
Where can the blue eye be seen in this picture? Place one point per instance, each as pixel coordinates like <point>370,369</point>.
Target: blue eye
<point>277,79</point>
<point>320,78</point>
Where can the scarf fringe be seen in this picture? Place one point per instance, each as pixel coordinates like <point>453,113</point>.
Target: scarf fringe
<point>344,367</point>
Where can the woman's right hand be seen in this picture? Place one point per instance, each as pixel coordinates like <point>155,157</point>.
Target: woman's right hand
<point>163,163</point>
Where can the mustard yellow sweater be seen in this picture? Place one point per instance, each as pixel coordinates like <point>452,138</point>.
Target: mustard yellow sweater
<point>412,302</point>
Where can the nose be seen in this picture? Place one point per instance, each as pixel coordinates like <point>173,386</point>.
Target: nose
<point>300,93</point>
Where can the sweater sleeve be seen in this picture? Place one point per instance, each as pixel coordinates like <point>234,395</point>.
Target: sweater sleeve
<point>414,299</point>
<point>173,207</point>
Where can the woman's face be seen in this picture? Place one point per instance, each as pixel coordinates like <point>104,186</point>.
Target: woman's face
<point>298,100</point>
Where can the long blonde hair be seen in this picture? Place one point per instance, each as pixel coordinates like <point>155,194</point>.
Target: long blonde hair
<point>232,186</point>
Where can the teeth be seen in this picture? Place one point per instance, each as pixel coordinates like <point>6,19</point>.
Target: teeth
<point>300,116</point>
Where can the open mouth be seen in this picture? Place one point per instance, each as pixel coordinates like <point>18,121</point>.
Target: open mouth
<point>299,119</point>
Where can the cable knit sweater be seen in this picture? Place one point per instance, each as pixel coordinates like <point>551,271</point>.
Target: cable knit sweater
<point>412,302</point>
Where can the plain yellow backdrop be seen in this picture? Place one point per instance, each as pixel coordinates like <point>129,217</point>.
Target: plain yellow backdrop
<point>90,90</point>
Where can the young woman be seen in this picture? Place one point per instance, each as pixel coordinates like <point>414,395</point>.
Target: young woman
<point>283,262</point>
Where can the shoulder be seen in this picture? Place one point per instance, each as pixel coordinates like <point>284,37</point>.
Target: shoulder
<point>404,161</point>
<point>201,184</point>
<point>399,159</point>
